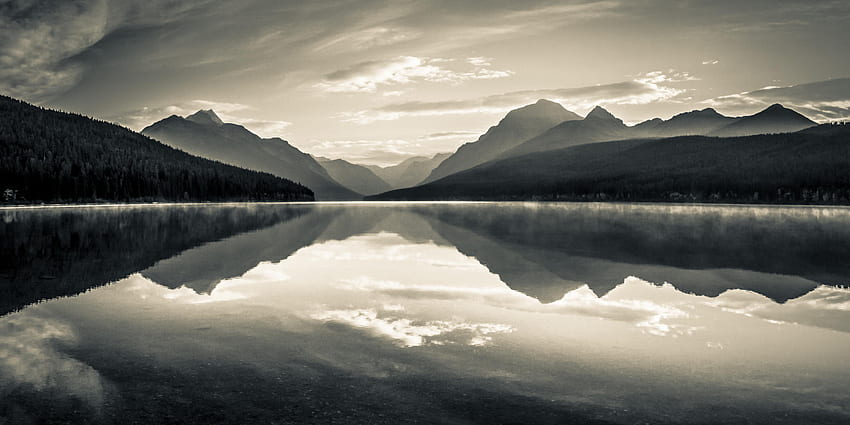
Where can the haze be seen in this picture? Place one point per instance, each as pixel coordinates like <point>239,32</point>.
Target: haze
<point>378,81</point>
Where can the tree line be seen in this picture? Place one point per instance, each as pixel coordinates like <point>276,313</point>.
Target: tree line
<point>51,156</point>
<point>807,167</point>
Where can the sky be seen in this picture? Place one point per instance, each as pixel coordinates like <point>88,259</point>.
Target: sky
<point>376,82</point>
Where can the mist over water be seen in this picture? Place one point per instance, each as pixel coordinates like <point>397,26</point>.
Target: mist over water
<point>443,312</point>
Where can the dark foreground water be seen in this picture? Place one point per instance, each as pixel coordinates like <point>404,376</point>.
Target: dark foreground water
<point>425,313</point>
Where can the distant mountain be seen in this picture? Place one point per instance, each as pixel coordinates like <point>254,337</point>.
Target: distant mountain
<point>204,134</point>
<point>354,176</point>
<point>775,119</point>
<point>598,126</point>
<point>694,123</point>
<point>205,117</point>
<point>803,167</point>
<point>409,172</point>
<point>516,127</point>
<point>52,156</point>
<point>601,126</point>
<point>830,129</point>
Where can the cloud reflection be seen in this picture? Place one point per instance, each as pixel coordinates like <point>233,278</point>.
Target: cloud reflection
<point>397,289</point>
<point>29,359</point>
<point>825,307</point>
<point>408,333</point>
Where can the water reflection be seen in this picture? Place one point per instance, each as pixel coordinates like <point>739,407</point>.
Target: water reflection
<point>466,313</point>
<point>47,253</point>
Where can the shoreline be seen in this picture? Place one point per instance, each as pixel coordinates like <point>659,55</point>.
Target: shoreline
<point>239,203</point>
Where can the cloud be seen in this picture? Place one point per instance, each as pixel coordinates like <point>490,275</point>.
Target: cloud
<point>366,151</point>
<point>39,38</point>
<point>228,112</point>
<point>462,25</point>
<point>825,307</point>
<point>448,25</point>
<point>497,293</point>
<point>409,333</point>
<point>44,44</point>
<point>29,359</point>
<point>367,38</point>
<point>449,135</point>
<point>367,76</point>
<point>821,101</point>
<point>35,37</point>
<point>656,86</point>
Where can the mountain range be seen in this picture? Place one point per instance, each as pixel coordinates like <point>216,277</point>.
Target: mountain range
<point>529,132</point>
<point>534,167</point>
<point>516,127</point>
<point>808,166</point>
<point>52,156</point>
<point>698,122</point>
<point>598,126</point>
<point>774,119</point>
<point>204,134</point>
<point>703,253</point>
<point>356,177</point>
<point>538,151</point>
<point>409,172</point>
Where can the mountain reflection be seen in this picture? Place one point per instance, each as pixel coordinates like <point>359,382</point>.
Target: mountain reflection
<point>52,252</point>
<point>547,251</point>
<point>474,313</point>
<point>781,253</point>
<point>543,251</point>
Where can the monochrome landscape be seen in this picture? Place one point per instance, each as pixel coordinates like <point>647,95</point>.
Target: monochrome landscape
<point>546,212</point>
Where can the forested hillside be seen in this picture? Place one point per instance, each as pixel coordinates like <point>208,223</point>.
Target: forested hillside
<point>205,135</point>
<point>51,156</point>
<point>809,166</point>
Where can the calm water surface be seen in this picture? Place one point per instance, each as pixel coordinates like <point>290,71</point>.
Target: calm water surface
<point>425,313</point>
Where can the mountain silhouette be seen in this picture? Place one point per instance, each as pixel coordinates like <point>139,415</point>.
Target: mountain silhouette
<point>204,134</point>
<point>52,156</point>
<point>598,126</point>
<point>409,172</point>
<point>83,248</point>
<point>203,267</point>
<point>354,176</point>
<point>693,123</point>
<point>600,113</point>
<point>802,167</point>
<point>548,250</point>
<point>501,142</point>
<point>205,117</point>
<point>516,127</point>
<point>775,119</point>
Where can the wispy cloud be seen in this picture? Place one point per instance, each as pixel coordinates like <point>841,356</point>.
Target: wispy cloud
<point>30,359</point>
<point>449,135</point>
<point>825,307</point>
<point>38,38</point>
<point>366,151</point>
<point>34,40</point>
<point>367,76</point>
<point>646,88</point>
<point>821,101</point>
<point>366,38</point>
<point>409,333</point>
<point>236,113</point>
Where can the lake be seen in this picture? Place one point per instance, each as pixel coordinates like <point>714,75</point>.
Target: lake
<point>452,313</point>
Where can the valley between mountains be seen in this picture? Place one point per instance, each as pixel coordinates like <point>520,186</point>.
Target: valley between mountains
<point>540,151</point>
